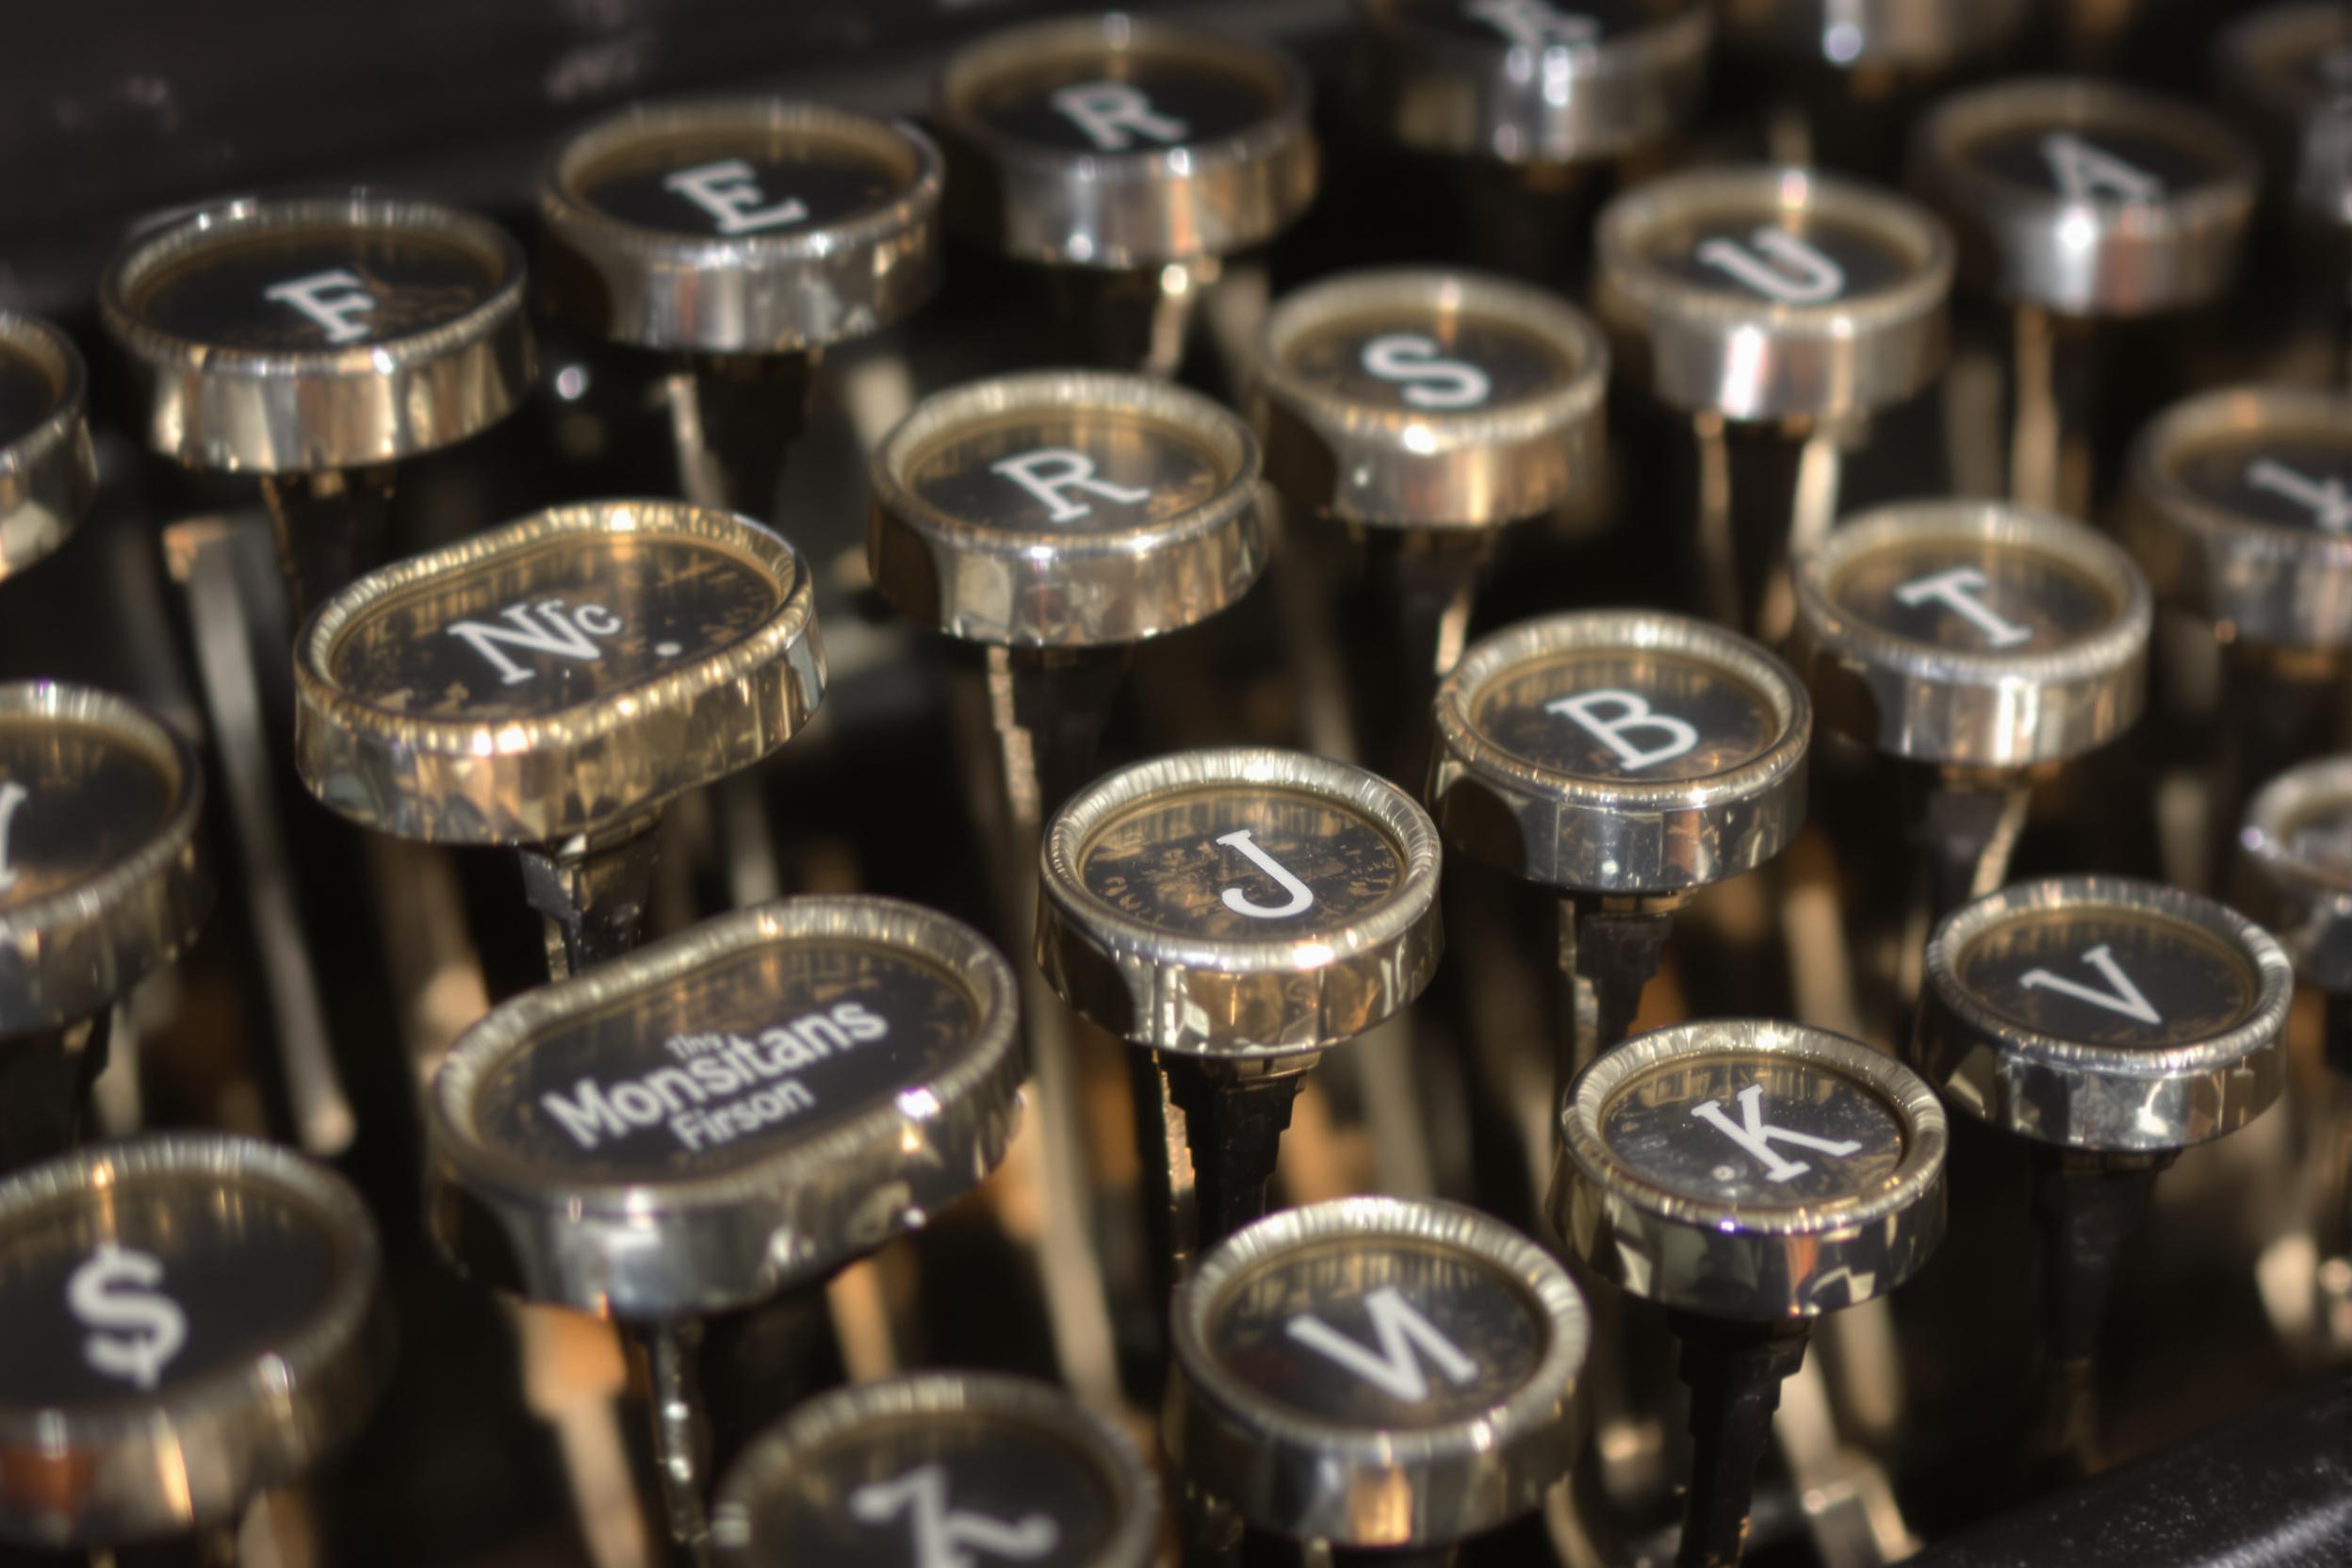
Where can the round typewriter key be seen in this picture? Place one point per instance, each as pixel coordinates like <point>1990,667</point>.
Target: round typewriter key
<point>2239,505</point>
<point>1973,641</point>
<point>316,341</point>
<point>2298,840</point>
<point>1787,302</point>
<point>192,1318</point>
<point>1058,518</point>
<point>1528,82</point>
<point>2077,201</point>
<point>47,472</point>
<point>938,1468</point>
<point>549,684</point>
<point>1878,34</point>
<point>1376,1373</point>
<point>1232,914</point>
<point>102,881</point>
<point>2113,1023</point>
<point>1627,758</point>
<point>742,234</point>
<point>1139,153</point>
<point>1747,1176</point>
<point>1423,410</point>
<point>721,1117</point>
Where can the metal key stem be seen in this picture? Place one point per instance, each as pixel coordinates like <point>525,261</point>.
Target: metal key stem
<point>681,1438</point>
<point>1734,1371</point>
<point>732,417</point>
<point>1613,947</point>
<point>1131,320</point>
<point>331,526</point>
<point>2090,1205</point>
<point>1965,823</point>
<point>44,1088</point>
<point>592,888</point>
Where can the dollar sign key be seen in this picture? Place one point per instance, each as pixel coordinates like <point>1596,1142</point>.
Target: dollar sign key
<point>114,1291</point>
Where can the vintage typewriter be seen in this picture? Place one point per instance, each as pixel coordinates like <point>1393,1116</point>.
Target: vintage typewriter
<point>1553,782</point>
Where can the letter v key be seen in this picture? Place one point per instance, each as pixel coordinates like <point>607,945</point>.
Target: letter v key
<point>2124,998</point>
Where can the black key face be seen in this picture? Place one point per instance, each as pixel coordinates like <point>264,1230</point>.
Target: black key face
<point>1974,597</point>
<point>1241,862</point>
<point>553,625</point>
<point>28,393</point>
<point>125,1292</point>
<point>1079,471</point>
<point>754,1054</point>
<point>1540,24</point>
<point>1116,102</point>
<point>926,1490</point>
<point>1386,1333</point>
<point>1769,1130</point>
<point>2095,976</point>
<point>1624,713</point>
<point>732,182</point>
<point>2108,164</point>
<point>1430,362</point>
<point>310,290</point>
<point>75,800</point>
<point>1774,257</point>
<point>2320,840</point>
<point>2288,479</point>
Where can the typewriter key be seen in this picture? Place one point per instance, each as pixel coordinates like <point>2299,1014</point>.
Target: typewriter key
<point>1747,1176</point>
<point>1422,411</point>
<point>1627,758</point>
<point>2238,505</point>
<point>742,236</point>
<point>316,341</point>
<point>1771,305</point>
<point>549,684</point>
<point>2298,842</point>
<point>1525,82</point>
<point>193,1318</point>
<point>2113,1023</point>
<point>2284,72</point>
<point>102,880</point>
<point>721,1117</point>
<point>1233,915</point>
<point>1131,157</point>
<point>936,1469</point>
<point>1374,1373</point>
<point>1976,642</point>
<point>1059,518</point>
<point>2077,201</point>
<point>47,472</point>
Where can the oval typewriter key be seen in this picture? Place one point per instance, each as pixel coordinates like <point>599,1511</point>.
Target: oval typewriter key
<point>316,341</point>
<point>938,1468</point>
<point>1423,410</point>
<point>2081,200</point>
<point>1530,82</point>
<point>102,881</point>
<point>2111,1023</point>
<point>1791,303</point>
<point>723,1117</point>
<point>1627,758</point>
<point>1234,914</point>
<point>192,1319</point>
<point>1376,1372</point>
<point>1131,152</point>
<point>742,234</point>
<point>1747,1176</point>
<point>47,471</point>
<point>1974,641</point>
<point>2238,504</point>
<point>550,683</point>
